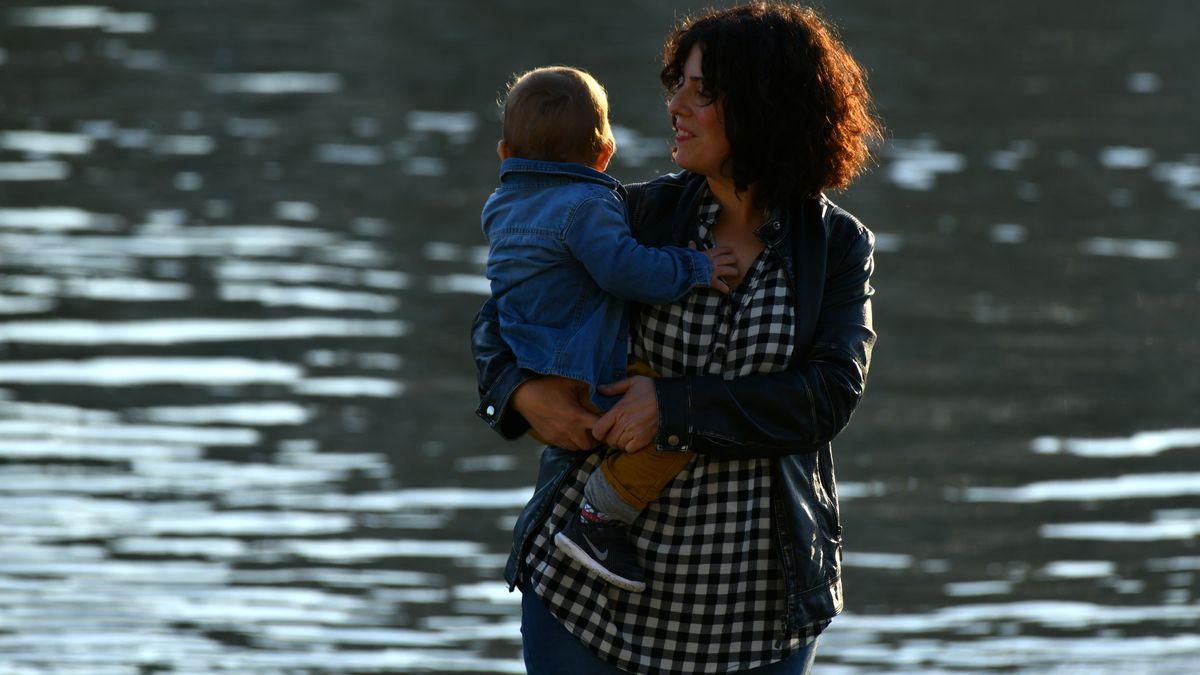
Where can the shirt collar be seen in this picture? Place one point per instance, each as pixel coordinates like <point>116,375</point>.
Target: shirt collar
<point>517,165</point>
<point>708,207</point>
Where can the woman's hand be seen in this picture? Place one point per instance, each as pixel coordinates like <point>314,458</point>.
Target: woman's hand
<point>632,423</point>
<point>552,407</point>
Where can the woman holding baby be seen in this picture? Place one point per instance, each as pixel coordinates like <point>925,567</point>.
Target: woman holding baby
<point>742,550</point>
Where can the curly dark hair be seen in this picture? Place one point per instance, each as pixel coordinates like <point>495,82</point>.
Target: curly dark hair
<point>795,104</point>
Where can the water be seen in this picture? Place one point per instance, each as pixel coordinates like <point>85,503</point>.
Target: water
<point>240,253</point>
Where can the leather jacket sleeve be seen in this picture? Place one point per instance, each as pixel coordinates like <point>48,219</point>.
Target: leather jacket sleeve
<point>499,375</point>
<point>797,410</point>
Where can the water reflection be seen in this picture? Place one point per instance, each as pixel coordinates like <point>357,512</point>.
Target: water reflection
<point>235,428</point>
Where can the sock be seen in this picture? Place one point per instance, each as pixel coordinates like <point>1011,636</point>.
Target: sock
<point>590,515</point>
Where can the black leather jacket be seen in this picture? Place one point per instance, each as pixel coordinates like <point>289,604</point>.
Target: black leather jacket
<point>789,416</point>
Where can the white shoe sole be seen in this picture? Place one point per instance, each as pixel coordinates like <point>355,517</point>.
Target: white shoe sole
<point>572,551</point>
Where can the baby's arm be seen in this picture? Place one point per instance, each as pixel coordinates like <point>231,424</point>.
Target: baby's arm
<point>598,236</point>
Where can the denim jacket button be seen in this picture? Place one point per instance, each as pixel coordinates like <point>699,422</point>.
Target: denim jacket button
<point>673,440</point>
<point>491,410</point>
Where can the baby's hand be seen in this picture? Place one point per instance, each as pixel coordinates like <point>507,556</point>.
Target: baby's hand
<point>724,264</point>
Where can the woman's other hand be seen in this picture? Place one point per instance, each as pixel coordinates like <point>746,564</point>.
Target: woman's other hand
<point>632,423</point>
<point>552,407</point>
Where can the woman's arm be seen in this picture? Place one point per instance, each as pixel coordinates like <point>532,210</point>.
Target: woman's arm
<point>772,414</point>
<point>513,400</point>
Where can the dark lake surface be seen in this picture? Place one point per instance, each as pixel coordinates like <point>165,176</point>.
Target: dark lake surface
<point>240,252</point>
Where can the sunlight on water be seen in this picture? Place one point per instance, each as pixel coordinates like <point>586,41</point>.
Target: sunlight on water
<point>62,449</point>
<point>313,297</point>
<point>1009,233</point>
<point>34,171</point>
<point>889,561</point>
<point>184,145</point>
<point>635,150</point>
<point>916,164</point>
<point>355,155</point>
<point>254,413</point>
<point>46,142</point>
<point>202,435</point>
<point>350,387</point>
<point>1122,157</point>
<point>1133,248</point>
<point>1183,181</point>
<point>461,283</point>
<point>1143,444</point>
<point>447,498</point>
<point>1143,82</point>
<point>275,83</point>
<point>458,126</point>
<point>296,273</point>
<point>971,588</point>
<point>55,219</point>
<point>1080,569</point>
<point>432,167</point>
<point>131,371</point>
<point>1038,655</point>
<point>1049,613</point>
<point>1166,526</point>
<point>16,304</point>
<point>446,252</point>
<point>97,288</point>
<point>1132,486</point>
<point>181,331</point>
<point>83,16</point>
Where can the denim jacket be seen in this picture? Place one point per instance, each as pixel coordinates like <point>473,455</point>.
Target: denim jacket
<point>562,264</point>
<point>789,416</point>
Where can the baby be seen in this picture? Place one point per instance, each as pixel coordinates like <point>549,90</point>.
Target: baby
<point>562,265</point>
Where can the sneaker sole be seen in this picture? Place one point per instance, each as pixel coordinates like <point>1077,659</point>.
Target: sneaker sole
<point>572,550</point>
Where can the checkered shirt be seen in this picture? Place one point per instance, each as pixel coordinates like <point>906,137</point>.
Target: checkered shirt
<point>715,599</point>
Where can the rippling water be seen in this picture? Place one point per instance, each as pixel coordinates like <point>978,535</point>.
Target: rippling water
<point>239,250</point>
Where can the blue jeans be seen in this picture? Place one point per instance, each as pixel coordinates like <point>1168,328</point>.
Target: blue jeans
<point>551,650</point>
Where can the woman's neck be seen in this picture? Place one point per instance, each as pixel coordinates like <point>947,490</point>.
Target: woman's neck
<point>736,209</point>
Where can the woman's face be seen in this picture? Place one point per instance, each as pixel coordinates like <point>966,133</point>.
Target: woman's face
<point>700,142</point>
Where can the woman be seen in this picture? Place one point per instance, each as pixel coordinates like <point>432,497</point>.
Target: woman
<point>743,549</point>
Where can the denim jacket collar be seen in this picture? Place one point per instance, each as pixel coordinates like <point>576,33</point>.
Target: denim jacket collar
<point>525,170</point>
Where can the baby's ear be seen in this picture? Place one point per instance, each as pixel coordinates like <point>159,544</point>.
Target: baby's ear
<point>606,153</point>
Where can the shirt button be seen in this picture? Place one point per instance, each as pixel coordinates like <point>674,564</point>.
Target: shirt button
<point>672,440</point>
<point>777,226</point>
<point>491,410</point>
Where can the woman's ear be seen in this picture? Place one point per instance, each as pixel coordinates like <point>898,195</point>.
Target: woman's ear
<point>502,150</point>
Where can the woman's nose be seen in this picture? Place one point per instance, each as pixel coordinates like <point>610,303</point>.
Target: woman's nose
<point>674,104</point>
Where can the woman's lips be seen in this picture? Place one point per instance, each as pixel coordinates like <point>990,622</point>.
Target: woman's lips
<point>681,136</point>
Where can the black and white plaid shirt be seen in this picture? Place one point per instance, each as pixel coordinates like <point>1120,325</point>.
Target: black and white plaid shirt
<point>715,598</point>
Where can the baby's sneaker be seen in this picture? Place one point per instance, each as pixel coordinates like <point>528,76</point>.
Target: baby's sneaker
<point>602,548</point>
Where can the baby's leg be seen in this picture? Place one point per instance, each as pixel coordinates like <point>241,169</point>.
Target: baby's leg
<point>613,497</point>
<point>628,481</point>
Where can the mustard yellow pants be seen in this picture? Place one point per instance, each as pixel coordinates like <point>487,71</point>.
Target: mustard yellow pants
<point>628,481</point>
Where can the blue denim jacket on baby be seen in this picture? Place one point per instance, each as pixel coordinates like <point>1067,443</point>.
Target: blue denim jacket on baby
<point>562,264</point>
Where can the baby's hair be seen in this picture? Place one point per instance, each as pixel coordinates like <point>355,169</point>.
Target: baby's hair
<point>556,114</point>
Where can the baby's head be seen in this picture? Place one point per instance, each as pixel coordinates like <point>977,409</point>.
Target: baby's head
<point>557,114</point>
